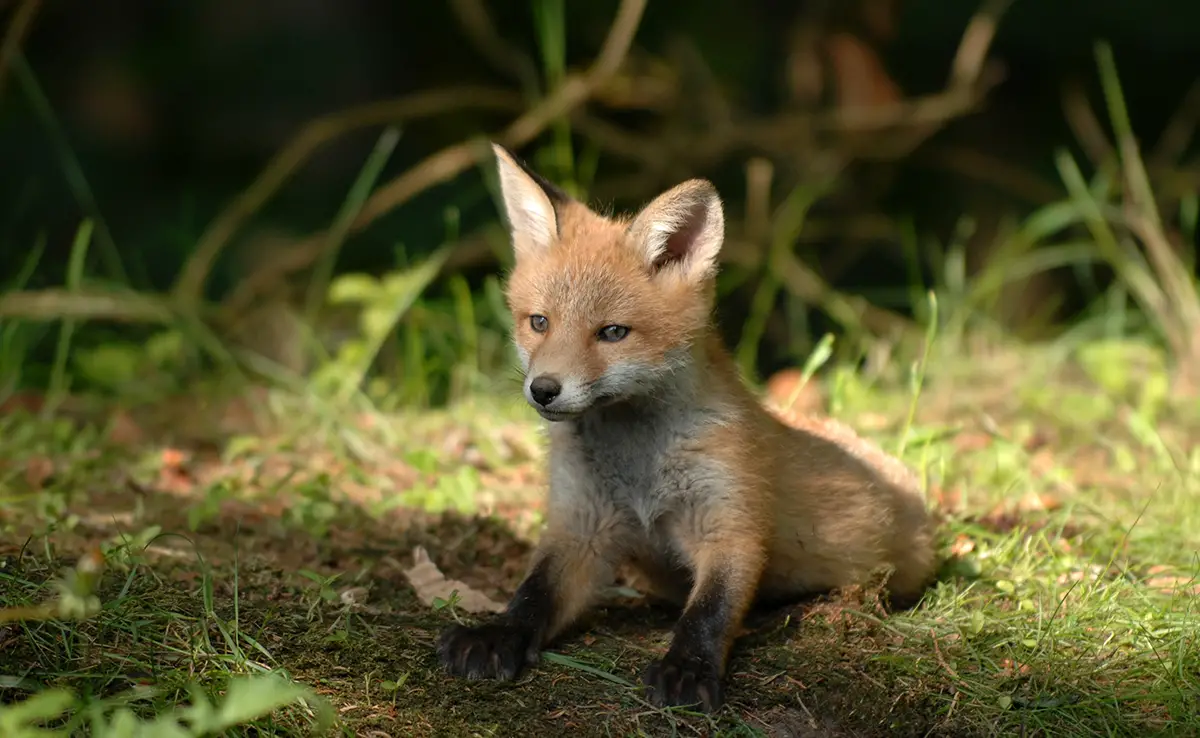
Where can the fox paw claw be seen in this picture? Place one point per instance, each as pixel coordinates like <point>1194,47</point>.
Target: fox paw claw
<point>684,680</point>
<point>489,651</point>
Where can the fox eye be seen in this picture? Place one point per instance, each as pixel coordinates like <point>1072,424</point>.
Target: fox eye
<point>612,333</point>
<point>539,323</point>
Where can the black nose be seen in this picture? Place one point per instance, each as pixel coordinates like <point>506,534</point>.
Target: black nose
<point>544,389</point>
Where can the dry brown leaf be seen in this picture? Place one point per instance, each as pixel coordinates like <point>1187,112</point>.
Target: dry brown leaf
<point>1035,501</point>
<point>861,79</point>
<point>962,546</point>
<point>972,441</point>
<point>1042,462</point>
<point>172,458</point>
<point>430,583</point>
<point>37,470</point>
<point>872,421</point>
<point>123,429</point>
<point>949,500</point>
<point>785,391</point>
<point>1039,440</point>
<point>1163,579</point>
<point>19,402</point>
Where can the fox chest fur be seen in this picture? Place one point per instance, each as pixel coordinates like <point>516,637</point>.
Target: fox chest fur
<point>640,468</point>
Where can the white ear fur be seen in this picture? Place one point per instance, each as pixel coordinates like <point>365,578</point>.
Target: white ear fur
<point>683,227</point>
<point>532,222</point>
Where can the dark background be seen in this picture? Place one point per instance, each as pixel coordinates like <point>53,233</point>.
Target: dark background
<point>171,109</point>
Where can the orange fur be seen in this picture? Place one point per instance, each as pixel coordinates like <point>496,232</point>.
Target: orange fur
<point>661,457</point>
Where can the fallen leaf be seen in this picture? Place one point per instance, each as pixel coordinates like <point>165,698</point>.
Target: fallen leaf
<point>1042,462</point>
<point>37,470</point>
<point>1038,501</point>
<point>949,500</point>
<point>123,429</point>
<point>972,441</point>
<point>785,391</point>
<point>872,421</point>
<point>1040,439</point>
<point>1160,578</point>
<point>430,583</point>
<point>19,402</point>
<point>861,81</point>
<point>962,546</point>
<point>172,458</point>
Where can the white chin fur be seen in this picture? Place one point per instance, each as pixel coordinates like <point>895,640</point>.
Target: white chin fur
<point>555,416</point>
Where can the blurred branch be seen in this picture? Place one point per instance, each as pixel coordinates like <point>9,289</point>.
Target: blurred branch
<point>452,161</point>
<point>852,312</point>
<point>1082,121</point>
<point>1179,131</point>
<point>976,40</point>
<point>1001,173</point>
<point>783,136</point>
<point>22,19</point>
<point>62,304</point>
<point>189,287</point>
<point>477,24</point>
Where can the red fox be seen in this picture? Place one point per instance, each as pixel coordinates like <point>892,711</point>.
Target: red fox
<point>661,458</point>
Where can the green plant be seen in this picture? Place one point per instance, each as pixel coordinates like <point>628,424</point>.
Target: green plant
<point>246,699</point>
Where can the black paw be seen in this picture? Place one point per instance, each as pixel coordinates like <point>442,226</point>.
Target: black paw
<point>491,651</point>
<point>677,680</point>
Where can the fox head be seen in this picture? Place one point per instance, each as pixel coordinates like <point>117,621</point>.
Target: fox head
<point>606,309</point>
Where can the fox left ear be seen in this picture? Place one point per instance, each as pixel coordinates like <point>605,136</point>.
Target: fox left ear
<point>682,228</point>
<point>531,205</point>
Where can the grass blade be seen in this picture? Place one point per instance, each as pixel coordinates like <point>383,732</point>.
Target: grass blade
<point>359,191</point>
<point>75,266</point>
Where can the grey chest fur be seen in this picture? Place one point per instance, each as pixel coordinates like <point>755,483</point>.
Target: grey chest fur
<point>647,462</point>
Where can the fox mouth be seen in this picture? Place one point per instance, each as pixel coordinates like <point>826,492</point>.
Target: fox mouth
<point>555,415</point>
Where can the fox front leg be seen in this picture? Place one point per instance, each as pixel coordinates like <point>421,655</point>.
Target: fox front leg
<point>568,569</point>
<point>726,573</point>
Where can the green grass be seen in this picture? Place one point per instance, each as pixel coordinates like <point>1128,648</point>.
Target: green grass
<point>176,559</point>
<point>281,552</point>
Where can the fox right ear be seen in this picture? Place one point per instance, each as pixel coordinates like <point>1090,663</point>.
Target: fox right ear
<point>529,204</point>
<point>681,230</point>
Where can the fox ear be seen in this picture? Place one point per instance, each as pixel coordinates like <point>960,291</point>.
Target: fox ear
<point>684,228</point>
<point>529,204</point>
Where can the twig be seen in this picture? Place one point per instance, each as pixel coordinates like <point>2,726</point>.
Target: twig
<point>190,285</point>
<point>1179,131</point>
<point>13,38</point>
<point>477,24</point>
<point>759,173</point>
<point>853,313</point>
<point>58,304</point>
<point>453,160</point>
<point>1085,125</point>
<point>993,169</point>
<point>975,42</point>
<point>781,135</point>
<point>937,651</point>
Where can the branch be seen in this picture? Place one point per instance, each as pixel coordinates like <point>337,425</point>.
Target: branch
<point>975,43</point>
<point>189,287</point>
<point>970,81</point>
<point>853,312</point>
<point>477,24</point>
<point>1082,121</point>
<point>1179,130</point>
<point>21,21</point>
<point>453,160</point>
<point>60,304</point>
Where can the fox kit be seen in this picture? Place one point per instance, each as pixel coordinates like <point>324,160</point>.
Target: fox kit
<point>660,458</point>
